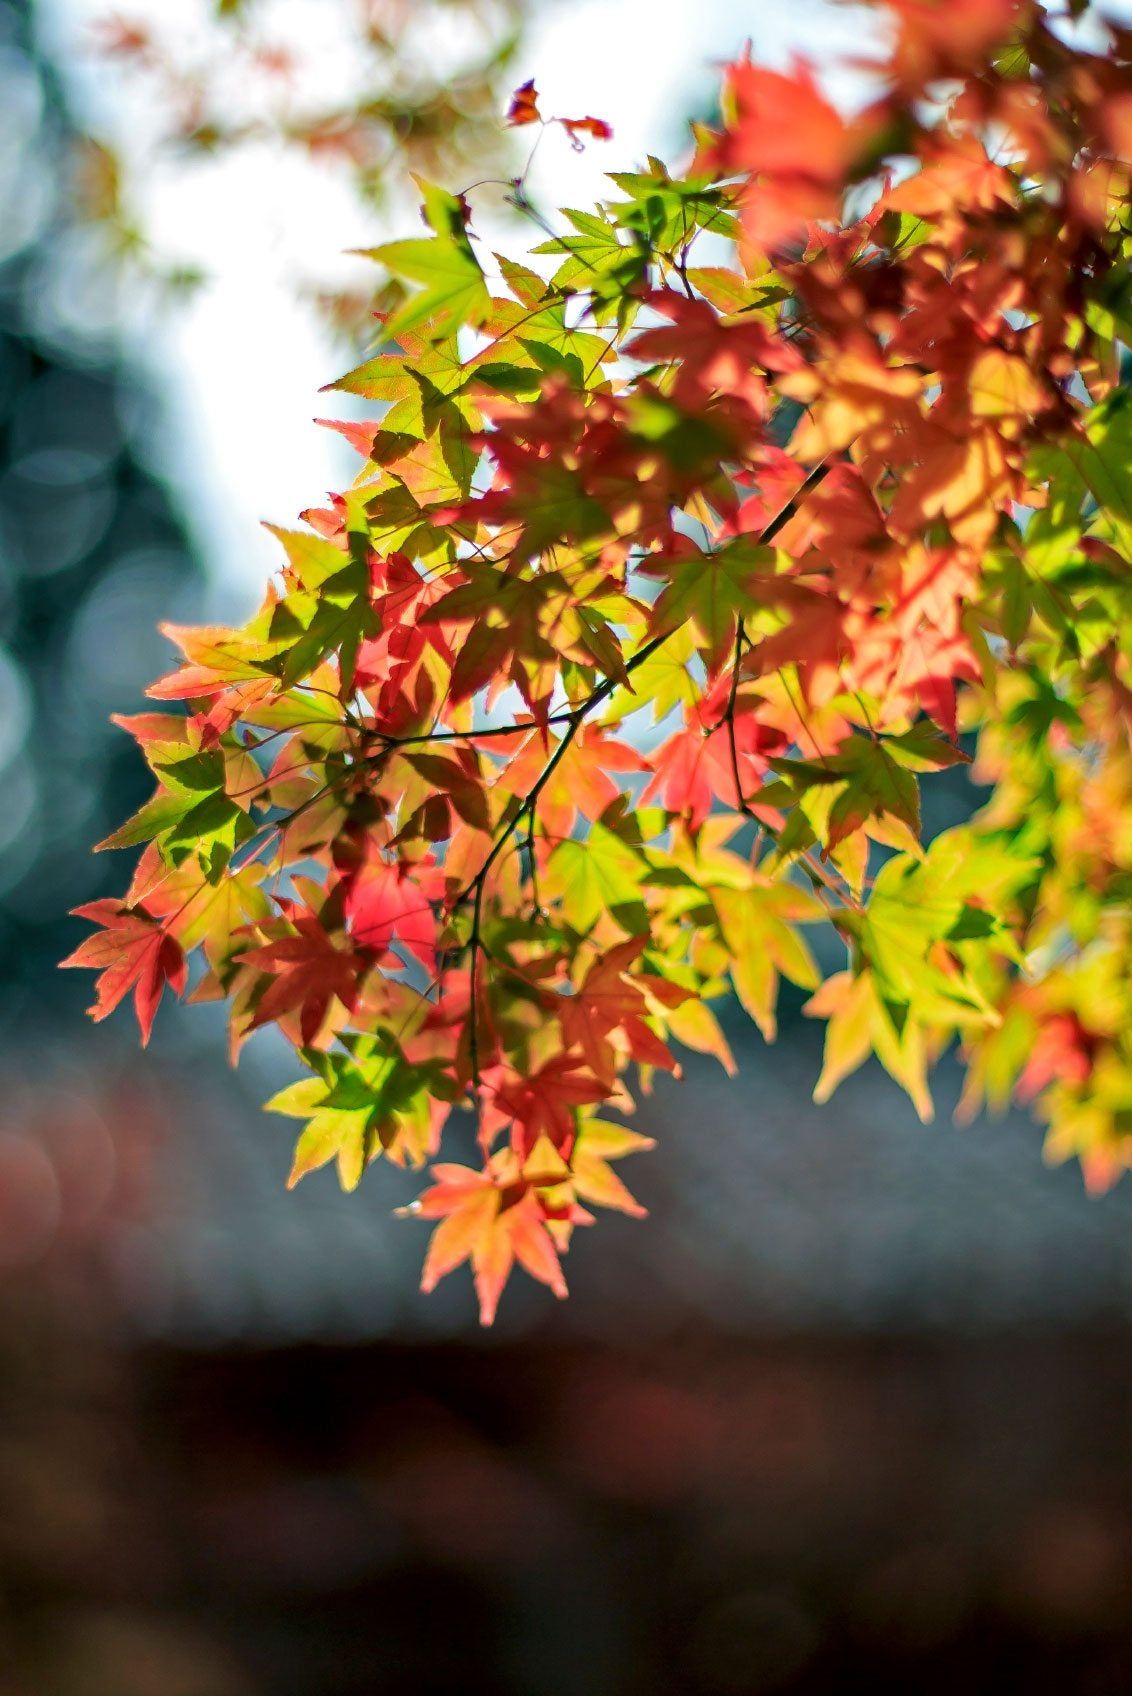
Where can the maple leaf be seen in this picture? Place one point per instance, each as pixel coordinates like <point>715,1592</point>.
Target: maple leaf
<point>856,397</point>
<point>582,782</point>
<point>934,41</point>
<point>597,128</point>
<point>699,765</point>
<point>1064,1049</point>
<point>538,1103</point>
<point>713,357</point>
<point>795,148</point>
<point>511,625</point>
<point>133,951</point>
<point>859,1024</point>
<point>218,657</point>
<point>867,780</point>
<point>453,292</point>
<point>916,655</point>
<point>598,259</point>
<point>609,1004</point>
<point>758,925</point>
<point>968,481</point>
<point>195,912</point>
<point>192,814</point>
<point>362,1103</point>
<point>524,109</point>
<point>591,1175</point>
<point>711,591</point>
<point>961,174</point>
<point>309,973</point>
<point>492,1219</point>
<point>388,904</point>
<point>524,105</point>
<point>602,875</point>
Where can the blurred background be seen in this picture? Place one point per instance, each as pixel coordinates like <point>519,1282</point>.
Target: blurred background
<point>848,1412</point>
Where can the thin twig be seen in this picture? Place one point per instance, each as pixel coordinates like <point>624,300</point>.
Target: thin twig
<point>473,1008</point>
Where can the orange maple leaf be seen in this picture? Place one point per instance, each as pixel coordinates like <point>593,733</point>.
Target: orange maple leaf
<point>492,1218</point>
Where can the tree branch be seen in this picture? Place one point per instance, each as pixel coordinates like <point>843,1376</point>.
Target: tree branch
<point>576,716</point>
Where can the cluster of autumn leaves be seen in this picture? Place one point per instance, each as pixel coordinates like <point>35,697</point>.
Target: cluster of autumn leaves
<point>664,585</point>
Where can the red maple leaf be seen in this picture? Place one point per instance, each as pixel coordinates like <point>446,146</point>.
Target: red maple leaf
<point>388,904</point>
<point>132,952</point>
<point>935,41</point>
<point>538,1103</point>
<point>595,127</point>
<point>1063,1052</point>
<point>609,1002</point>
<point>696,766</point>
<point>581,783</point>
<point>795,147</point>
<point>713,358</point>
<point>388,663</point>
<point>309,972</point>
<point>524,105</point>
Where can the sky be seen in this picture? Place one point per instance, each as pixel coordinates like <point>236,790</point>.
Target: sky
<point>238,369</point>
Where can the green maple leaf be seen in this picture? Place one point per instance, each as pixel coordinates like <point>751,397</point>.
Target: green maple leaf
<point>1102,457</point>
<point>452,289</point>
<point>601,875</point>
<point>875,786</point>
<point>190,813</point>
<point>599,262</point>
<point>711,592</point>
<point>358,1105</point>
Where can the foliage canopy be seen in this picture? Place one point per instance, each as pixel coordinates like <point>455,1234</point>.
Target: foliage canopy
<point>673,570</point>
